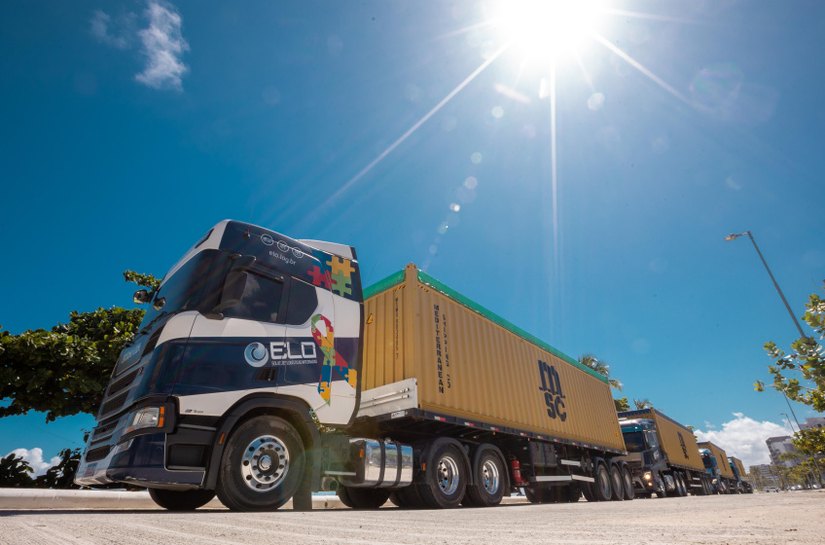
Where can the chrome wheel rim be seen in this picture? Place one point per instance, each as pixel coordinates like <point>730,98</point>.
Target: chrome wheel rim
<point>490,477</point>
<point>265,463</point>
<point>448,478</point>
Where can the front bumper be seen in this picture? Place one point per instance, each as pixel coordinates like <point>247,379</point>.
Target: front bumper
<point>116,454</point>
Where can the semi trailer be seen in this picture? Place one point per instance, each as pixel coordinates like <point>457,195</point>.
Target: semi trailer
<point>718,468</point>
<point>743,486</point>
<point>662,454</point>
<point>262,371</point>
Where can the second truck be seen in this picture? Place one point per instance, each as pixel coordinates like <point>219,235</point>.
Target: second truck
<point>263,371</point>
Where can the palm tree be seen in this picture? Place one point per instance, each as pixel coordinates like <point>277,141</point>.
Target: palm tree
<point>601,367</point>
<point>642,404</point>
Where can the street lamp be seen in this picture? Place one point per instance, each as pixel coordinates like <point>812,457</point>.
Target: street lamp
<point>734,236</point>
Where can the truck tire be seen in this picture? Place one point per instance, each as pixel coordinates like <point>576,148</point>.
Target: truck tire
<point>627,481</point>
<point>489,480</point>
<point>445,481</point>
<point>537,493</point>
<point>571,493</point>
<point>587,491</point>
<point>616,483</point>
<point>602,490</point>
<point>407,497</point>
<point>681,488</point>
<point>262,466</point>
<point>363,498</point>
<point>181,500</point>
<point>661,492</point>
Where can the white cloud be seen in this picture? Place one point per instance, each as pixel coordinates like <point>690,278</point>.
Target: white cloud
<point>35,458</point>
<point>163,46</point>
<point>744,438</point>
<point>109,33</point>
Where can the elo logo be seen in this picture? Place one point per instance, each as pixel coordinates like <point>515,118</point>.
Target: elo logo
<point>267,239</point>
<point>256,354</point>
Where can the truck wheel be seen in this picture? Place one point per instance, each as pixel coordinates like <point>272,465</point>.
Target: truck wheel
<point>537,494</point>
<point>602,490</point>
<point>662,492</point>
<point>445,480</point>
<point>681,488</point>
<point>616,483</point>
<point>363,498</point>
<point>571,494</point>
<point>489,480</point>
<point>407,497</point>
<point>262,465</point>
<point>627,480</point>
<point>181,500</point>
<point>587,491</point>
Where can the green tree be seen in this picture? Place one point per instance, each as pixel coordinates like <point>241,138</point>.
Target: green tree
<point>642,404</point>
<point>800,373</point>
<point>64,370</point>
<point>601,367</point>
<point>621,404</point>
<point>61,475</point>
<point>15,472</point>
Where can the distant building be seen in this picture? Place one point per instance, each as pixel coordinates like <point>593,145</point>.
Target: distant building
<point>777,446</point>
<point>815,422</point>
<point>762,475</point>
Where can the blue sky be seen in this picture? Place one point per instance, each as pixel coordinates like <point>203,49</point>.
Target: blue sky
<point>411,131</point>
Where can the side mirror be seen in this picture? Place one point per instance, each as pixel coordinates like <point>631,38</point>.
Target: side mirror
<point>142,297</point>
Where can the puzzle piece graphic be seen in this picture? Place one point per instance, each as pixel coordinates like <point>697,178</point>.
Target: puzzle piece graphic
<point>341,284</point>
<point>320,278</point>
<point>352,377</point>
<point>341,265</point>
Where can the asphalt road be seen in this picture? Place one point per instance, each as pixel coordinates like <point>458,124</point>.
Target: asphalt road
<point>784,518</point>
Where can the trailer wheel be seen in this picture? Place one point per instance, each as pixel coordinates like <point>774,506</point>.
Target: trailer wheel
<point>489,480</point>
<point>363,498</point>
<point>616,483</point>
<point>602,490</point>
<point>661,492</point>
<point>262,465</point>
<point>587,491</point>
<point>627,481</point>
<point>181,500</point>
<point>681,488</point>
<point>445,480</point>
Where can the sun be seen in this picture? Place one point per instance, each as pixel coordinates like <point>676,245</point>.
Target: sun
<point>544,30</point>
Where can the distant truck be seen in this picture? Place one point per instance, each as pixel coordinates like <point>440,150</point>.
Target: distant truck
<point>743,486</point>
<point>254,341</point>
<point>663,455</point>
<point>718,468</point>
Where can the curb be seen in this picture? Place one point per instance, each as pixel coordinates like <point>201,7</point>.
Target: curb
<point>24,499</point>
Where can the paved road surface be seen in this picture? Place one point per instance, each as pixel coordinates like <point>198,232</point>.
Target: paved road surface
<point>784,518</point>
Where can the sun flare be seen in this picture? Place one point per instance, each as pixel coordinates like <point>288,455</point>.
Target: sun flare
<point>546,29</point>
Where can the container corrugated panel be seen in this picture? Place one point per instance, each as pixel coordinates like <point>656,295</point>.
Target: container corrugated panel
<point>721,458</point>
<point>677,441</point>
<point>740,467</point>
<point>475,366</point>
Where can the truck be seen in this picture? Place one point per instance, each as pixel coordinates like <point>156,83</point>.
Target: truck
<point>743,485</point>
<point>663,455</point>
<point>718,468</point>
<point>263,371</point>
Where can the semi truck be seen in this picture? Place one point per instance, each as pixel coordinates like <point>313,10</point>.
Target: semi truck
<point>743,486</point>
<point>663,455</point>
<point>263,371</point>
<point>718,468</point>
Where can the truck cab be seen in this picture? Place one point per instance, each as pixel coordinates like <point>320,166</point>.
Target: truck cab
<point>645,458</point>
<point>249,325</point>
<point>712,469</point>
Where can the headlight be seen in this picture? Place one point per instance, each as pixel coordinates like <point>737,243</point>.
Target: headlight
<point>647,476</point>
<point>715,481</point>
<point>147,417</point>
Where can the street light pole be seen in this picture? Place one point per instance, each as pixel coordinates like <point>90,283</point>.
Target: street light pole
<point>734,236</point>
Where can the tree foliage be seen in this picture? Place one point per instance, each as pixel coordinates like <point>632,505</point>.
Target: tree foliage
<point>61,475</point>
<point>621,404</point>
<point>601,367</point>
<point>15,472</point>
<point>64,370</point>
<point>642,404</point>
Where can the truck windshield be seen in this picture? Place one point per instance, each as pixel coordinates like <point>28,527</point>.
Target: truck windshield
<point>195,286</point>
<point>634,441</point>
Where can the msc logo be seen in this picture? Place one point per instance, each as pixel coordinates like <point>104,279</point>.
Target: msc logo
<point>551,387</point>
<point>280,353</point>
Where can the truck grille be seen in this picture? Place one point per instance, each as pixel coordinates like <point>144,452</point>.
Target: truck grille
<point>96,454</point>
<point>117,393</point>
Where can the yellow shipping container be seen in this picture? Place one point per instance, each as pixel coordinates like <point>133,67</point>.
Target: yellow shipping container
<point>474,368</point>
<point>740,467</point>
<point>721,459</point>
<point>677,441</point>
